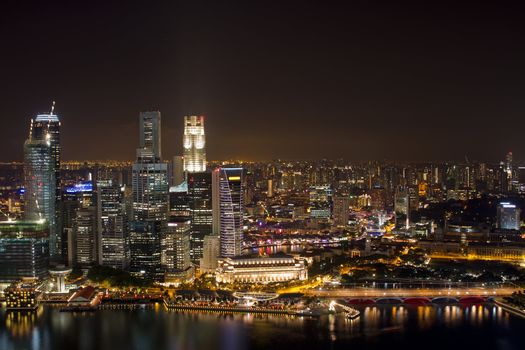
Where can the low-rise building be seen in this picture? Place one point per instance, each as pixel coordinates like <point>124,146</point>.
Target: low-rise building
<point>246,269</point>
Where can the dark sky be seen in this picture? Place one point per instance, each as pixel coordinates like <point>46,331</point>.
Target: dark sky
<point>422,80</point>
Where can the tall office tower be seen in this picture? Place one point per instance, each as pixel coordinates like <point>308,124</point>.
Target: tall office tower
<point>194,144</point>
<point>150,133</point>
<point>508,216</point>
<point>175,249</point>
<point>210,254</point>
<point>341,212</point>
<point>24,250</point>
<point>113,241</point>
<point>228,208</point>
<point>320,202</point>
<point>74,197</point>
<point>85,236</point>
<point>178,170</point>
<point>150,187</point>
<point>150,191</point>
<point>39,179</point>
<point>201,211</point>
<point>46,128</point>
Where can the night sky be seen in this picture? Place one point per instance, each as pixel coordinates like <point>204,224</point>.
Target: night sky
<point>425,80</point>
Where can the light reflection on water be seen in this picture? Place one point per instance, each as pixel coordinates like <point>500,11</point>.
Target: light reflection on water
<point>160,329</point>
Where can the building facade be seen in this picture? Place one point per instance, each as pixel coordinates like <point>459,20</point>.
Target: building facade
<point>228,208</point>
<point>194,144</point>
<point>112,223</point>
<point>24,250</point>
<point>46,128</point>
<point>201,211</point>
<point>261,269</point>
<point>39,180</point>
<point>150,187</point>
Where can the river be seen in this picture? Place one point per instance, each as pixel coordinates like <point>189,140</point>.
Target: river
<point>441,327</point>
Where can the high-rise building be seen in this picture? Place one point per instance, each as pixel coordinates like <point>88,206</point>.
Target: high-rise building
<point>150,186</point>
<point>150,133</point>
<point>175,249</point>
<point>228,208</point>
<point>145,239</point>
<point>24,250</point>
<point>201,211</point>
<point>85,236</point>
<point>194,144</point>
<point>46,128</point>
<point>39,179</point>
<point>508,216</point>
<point>113,237</point>
<point>178,170</point>
<point>74,197</point>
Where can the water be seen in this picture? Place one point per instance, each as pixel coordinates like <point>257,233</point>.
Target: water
<point>382,327</point>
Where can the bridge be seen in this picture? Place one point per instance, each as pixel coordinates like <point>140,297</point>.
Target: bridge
<point>404,293</point>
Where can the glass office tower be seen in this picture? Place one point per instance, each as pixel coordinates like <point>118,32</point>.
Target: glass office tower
<point>228,208</point>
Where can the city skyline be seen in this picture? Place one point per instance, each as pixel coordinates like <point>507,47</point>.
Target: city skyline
<point>262,175</point>
<point>389,77</point>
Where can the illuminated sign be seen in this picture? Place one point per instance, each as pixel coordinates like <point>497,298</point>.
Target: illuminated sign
<point>84,186</point>
<point>234,178</point>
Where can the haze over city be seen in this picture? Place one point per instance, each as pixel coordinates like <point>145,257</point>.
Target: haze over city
<point>358,80</point>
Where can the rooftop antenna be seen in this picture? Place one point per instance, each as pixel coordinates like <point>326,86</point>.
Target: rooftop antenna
<point>52,108</point>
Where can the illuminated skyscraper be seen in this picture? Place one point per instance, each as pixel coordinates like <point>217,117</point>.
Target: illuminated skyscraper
<point>85,236</point>
<point>45,128</point>
<point>228,208</point>
<point>112,226</point>
<point>39,179</point>
<point>194,144</point>
<point>175,249</point>
<point>150,187</point>
<point>200,205</point>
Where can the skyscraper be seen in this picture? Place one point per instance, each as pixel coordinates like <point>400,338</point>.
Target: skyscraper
<point>24,250</point>
<point>150,133</point>
<point>194,144</point>
<point>228,208</point>
<point>112,226</point>
<point>46,128</point>
<point>178,170</point>
<point>175,249</point>
<point>85,236</point>
<point>201,211</point>
<point>39,179</point>
<point>150,187</point>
